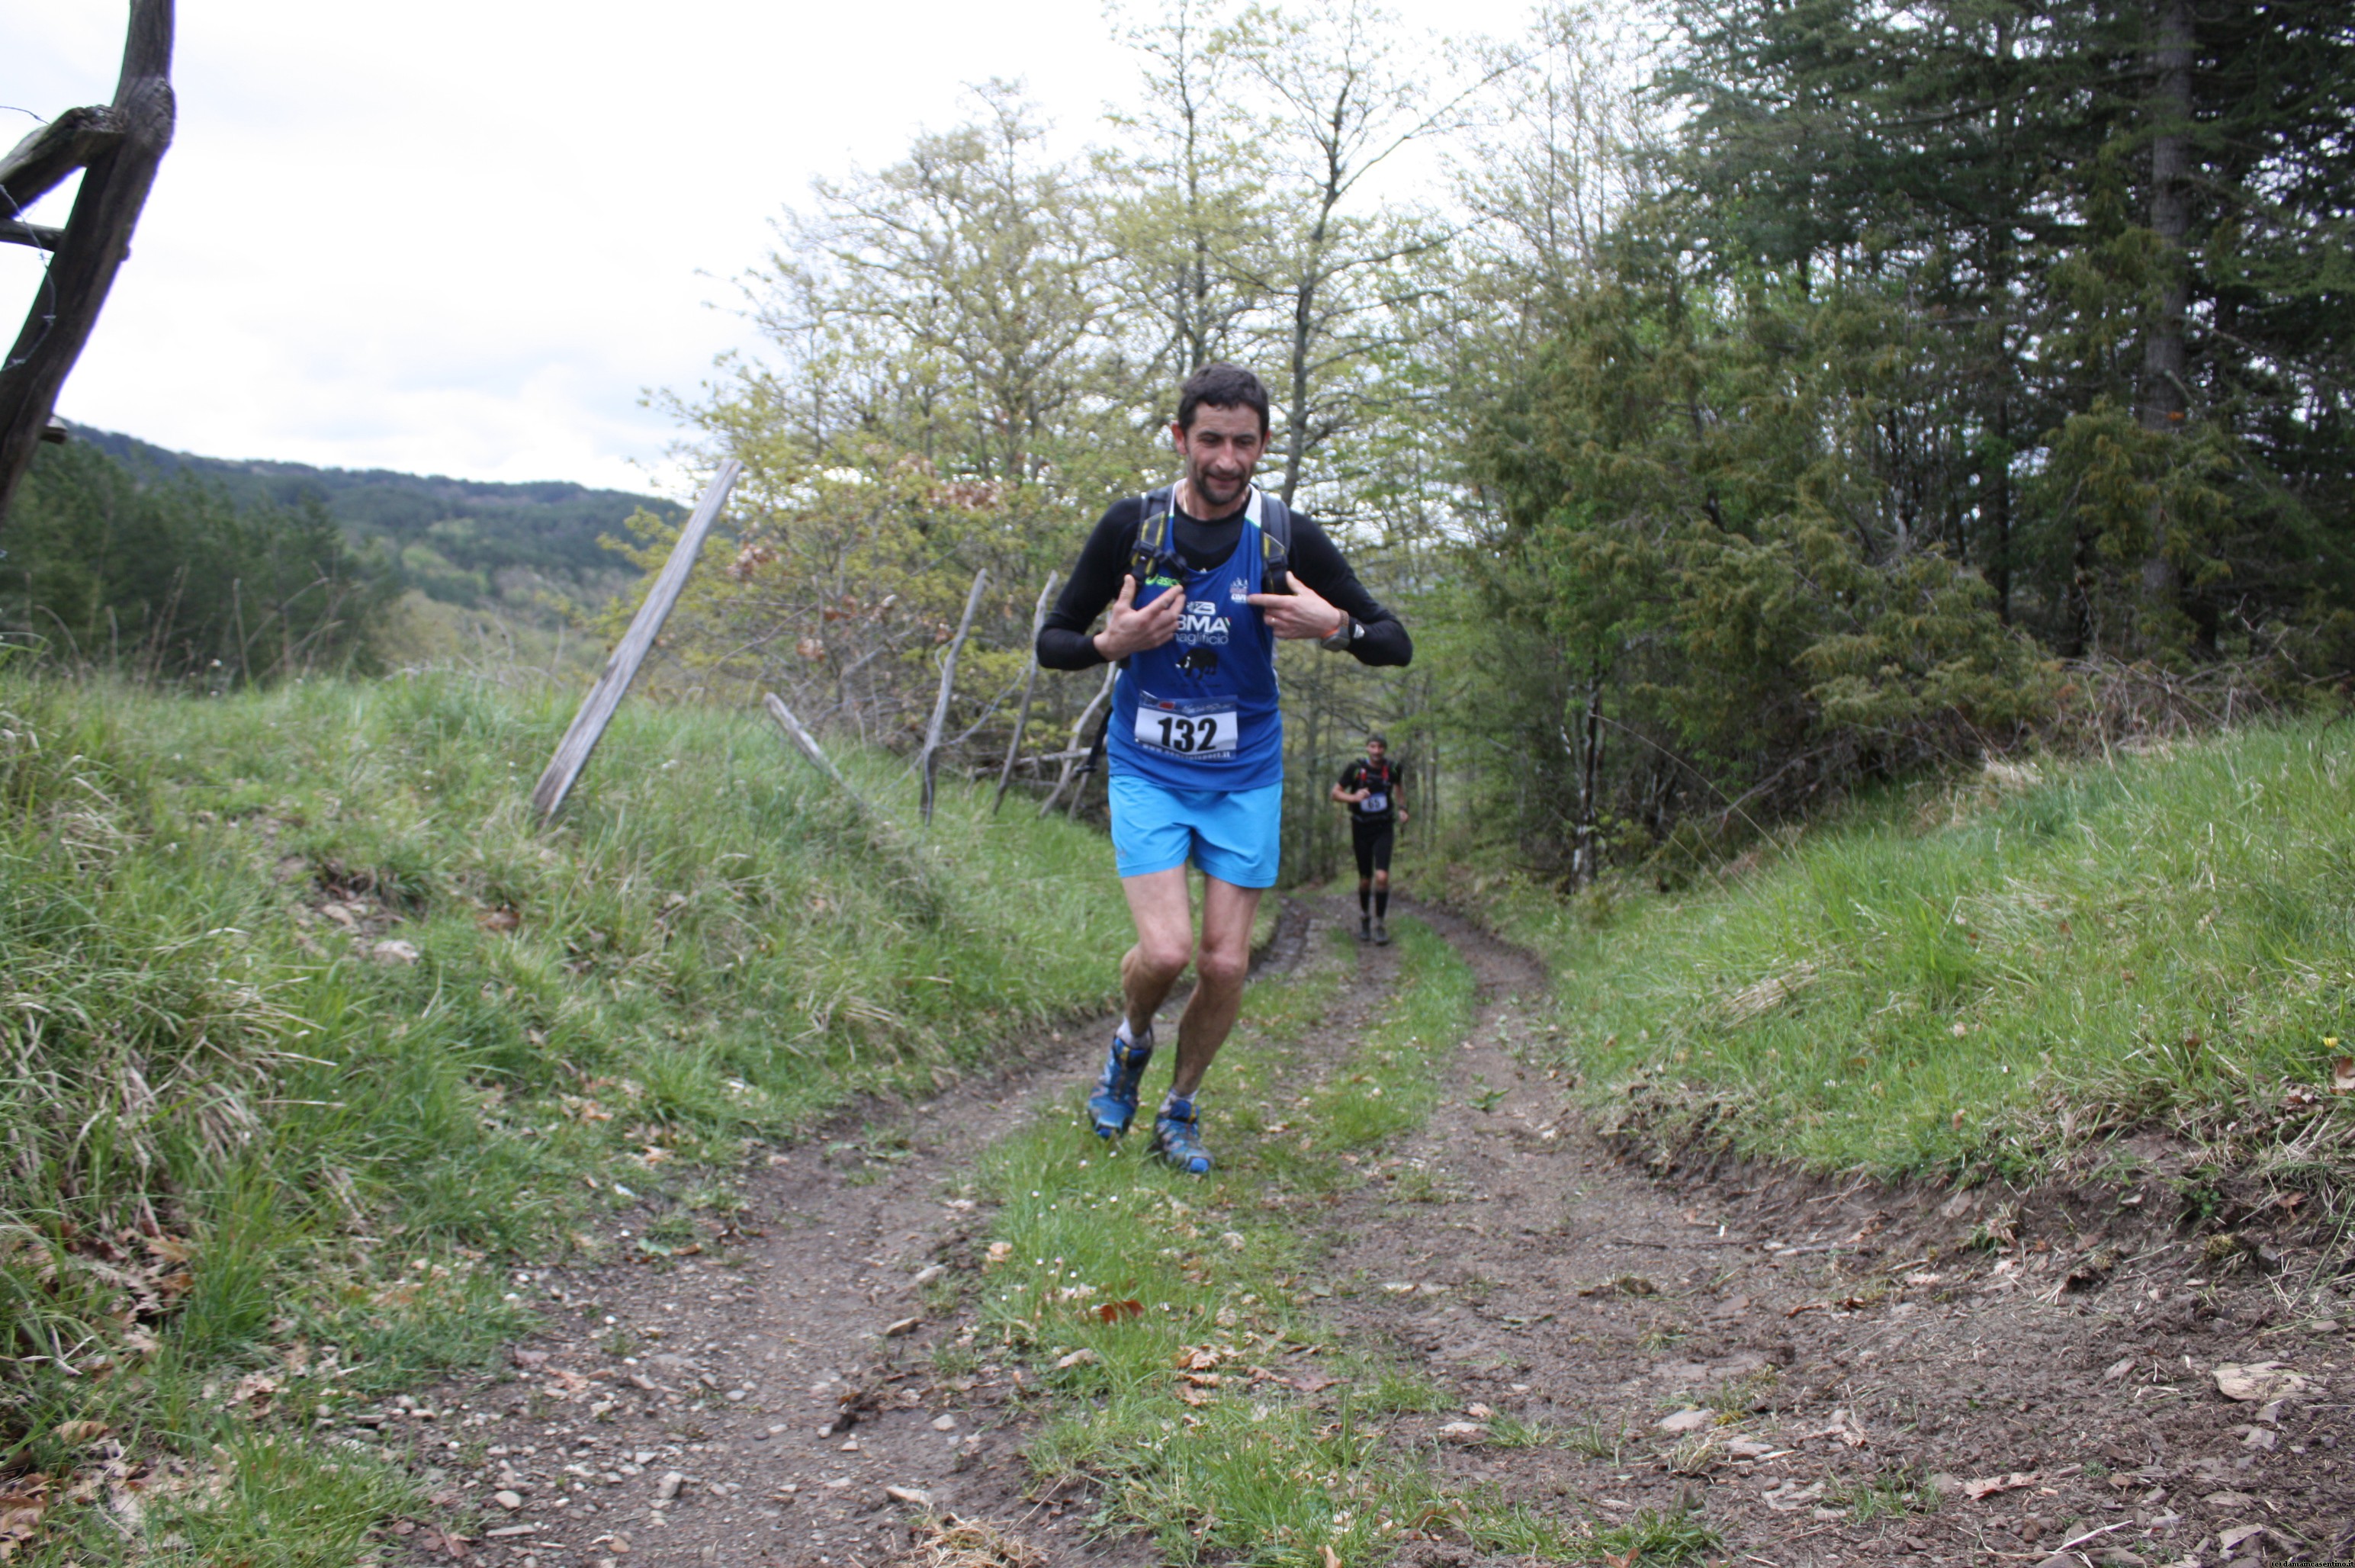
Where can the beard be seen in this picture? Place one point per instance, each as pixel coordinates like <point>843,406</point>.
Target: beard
<point>1219,490</point>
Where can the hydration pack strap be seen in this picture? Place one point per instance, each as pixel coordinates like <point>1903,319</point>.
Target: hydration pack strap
<point>1153,551</point>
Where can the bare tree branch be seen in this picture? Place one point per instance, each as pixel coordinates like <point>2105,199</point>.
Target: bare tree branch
<point>119,169</point>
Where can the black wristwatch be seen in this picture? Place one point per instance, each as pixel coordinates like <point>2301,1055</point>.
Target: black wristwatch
<point>1343,635</point>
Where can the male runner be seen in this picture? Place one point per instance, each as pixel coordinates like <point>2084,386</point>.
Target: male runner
<point>1369,788</point>
<point>1196,740</point>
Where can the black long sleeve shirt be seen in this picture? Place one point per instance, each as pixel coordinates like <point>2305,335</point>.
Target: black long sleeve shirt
<point>1066,642</point>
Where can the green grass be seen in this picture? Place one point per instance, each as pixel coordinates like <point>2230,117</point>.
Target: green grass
<point>246,1138</point>
<point>1998,983</point>
<point>1278,1445</point>
<point>1889,1493</point>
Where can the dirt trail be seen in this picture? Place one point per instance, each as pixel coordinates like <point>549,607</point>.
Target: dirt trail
<point>754,1403</point>
<point>757,1402</point>
<point>1554,1283</point>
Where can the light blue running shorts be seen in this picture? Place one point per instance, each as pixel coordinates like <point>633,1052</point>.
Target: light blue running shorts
<point>1233,834</point>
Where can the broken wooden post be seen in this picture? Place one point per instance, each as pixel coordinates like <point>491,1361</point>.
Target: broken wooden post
<point>597,708</point>
<point>806,744</point>
<point>1029,684</point>
<point>948,688</point>
<point>1080,749</point>
<point>118,148</point>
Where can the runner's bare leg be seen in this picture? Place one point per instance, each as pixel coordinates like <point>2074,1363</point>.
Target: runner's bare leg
<point>1159,904</point>
<point>1221,963</point>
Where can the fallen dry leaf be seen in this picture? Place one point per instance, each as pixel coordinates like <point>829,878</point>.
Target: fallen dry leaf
<point>2259,1383</point>
<point>1987,1485</point>
<point>2342,1075</point>
<point>1790,1496</point>
<point>253,1393</point>
<point>1118,1311</point>
<point>171,1249</point>
<point>74,1434</point>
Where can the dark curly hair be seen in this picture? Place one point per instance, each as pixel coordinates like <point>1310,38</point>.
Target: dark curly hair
<point>1222,386</point>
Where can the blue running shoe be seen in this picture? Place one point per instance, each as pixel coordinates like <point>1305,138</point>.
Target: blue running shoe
<point>1113,1105</point>
<point>1177,1137</point>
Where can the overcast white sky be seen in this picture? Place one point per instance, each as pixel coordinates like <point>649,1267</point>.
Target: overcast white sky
<point>464,236</point>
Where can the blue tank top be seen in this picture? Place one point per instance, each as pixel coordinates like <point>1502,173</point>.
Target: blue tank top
<point>1202,712</point>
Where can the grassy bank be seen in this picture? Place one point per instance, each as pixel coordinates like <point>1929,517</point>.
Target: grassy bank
<point>2003,980</point>
<point>307,1023</point>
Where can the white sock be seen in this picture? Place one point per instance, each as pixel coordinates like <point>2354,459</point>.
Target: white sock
<point>1129,1036</point>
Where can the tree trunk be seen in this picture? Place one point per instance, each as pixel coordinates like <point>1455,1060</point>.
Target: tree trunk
<point>2165,403</point>
<point>1588,757</point>
<point>119,158</point>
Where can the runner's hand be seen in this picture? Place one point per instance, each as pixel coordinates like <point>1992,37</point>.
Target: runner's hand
<point>1129,630</point>
<point>1300,613</point>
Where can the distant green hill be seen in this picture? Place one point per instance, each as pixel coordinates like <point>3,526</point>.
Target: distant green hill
<point>452,539</point>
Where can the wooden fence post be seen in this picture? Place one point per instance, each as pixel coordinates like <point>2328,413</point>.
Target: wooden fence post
<point>806,744</point>
<point>597,708</point>
<point>948,689</point>
<point>1030,684</point>
<point>1080,749</point>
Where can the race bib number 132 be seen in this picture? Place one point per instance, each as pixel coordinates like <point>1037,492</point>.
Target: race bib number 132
<point>1210,734</point>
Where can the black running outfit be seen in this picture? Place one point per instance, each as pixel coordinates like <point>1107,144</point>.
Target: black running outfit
<point>1373,821</point>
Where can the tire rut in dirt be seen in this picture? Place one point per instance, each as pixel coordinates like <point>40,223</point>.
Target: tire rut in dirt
<point>1859,1379</point>
<point>792,1383</point>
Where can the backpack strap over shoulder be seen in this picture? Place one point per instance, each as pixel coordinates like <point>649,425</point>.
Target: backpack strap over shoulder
<point>1153,549</point>
<point>1274,520</point>
<point>1272,516</point>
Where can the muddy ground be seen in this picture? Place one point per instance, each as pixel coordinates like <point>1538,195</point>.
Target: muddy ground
<point>1825,1374</point>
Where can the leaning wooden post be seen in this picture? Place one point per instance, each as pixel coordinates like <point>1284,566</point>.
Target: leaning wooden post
<point>1030,684</point>
<point>597,708</point>
<point>948,688</point>
<point>806,744</point>
<point>1080,748</point>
